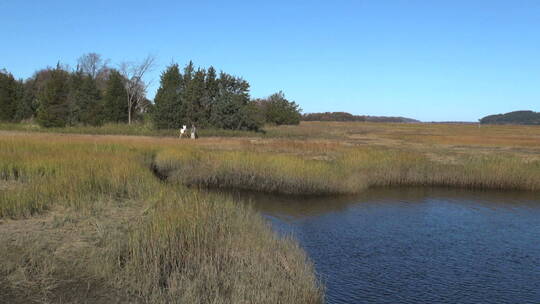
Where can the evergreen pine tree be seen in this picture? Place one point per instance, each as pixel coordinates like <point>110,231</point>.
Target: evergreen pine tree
<point>74,98</point>
<point>90,102</point>
<point>188,72</point>
<point>27,106</point>
<point>198,99</point>
<point>8,96</point>
<point>114,100</point>
<point>278,110</point>
<point>232,108</point>
<point>53,110</point>
<point>211,93</point>
<point>187,96</point>
<point>85,105</point>
<point>168,112</point>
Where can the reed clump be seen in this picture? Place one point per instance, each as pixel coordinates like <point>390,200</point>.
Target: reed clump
<point>205,249</point>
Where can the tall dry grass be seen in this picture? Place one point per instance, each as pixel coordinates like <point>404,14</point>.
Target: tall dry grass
<point>71,174</point>
<point>201,249</point>
<point>348,172</point>
<point>177,245</point>
<point>267,172</point>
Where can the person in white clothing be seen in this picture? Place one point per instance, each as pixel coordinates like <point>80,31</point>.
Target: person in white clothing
<point>182,131</point>
<point>193,132</point>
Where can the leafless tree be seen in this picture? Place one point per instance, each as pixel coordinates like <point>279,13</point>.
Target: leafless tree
<point>136,87</point>
<point>143,105</point>
<point>91,64</point>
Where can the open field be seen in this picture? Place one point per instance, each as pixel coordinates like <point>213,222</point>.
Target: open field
<point>120,218</point>
<point>499,136</point>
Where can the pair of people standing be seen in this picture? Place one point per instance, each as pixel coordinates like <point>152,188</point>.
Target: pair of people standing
<point>193,132</point>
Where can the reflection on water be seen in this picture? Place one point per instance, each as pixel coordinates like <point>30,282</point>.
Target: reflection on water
<point>417,245</point>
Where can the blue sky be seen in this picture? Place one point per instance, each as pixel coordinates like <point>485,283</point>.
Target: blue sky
<point>430,60</point>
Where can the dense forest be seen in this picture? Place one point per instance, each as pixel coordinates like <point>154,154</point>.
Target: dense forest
<point>516,117</point>
<point>94,93</point>
<point>344,116</point>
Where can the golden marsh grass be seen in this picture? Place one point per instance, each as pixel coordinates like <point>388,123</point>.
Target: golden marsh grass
<point>86,212</point>
<point>131,234</point>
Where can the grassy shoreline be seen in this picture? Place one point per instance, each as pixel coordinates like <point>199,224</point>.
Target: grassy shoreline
<point>349,173</point>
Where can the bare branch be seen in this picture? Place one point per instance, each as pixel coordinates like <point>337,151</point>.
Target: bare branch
<point>135,85</point>
<point>91,64</point>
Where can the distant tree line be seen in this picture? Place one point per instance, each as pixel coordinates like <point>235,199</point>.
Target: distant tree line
<point>344,116</point>
<point>94,93</point>
<point>516,117</point>
<point>91,94</point>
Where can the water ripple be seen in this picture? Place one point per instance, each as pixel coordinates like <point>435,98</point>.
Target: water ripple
<point>421,245</point>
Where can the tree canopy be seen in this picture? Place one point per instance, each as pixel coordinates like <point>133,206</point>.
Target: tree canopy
<point>280,111</point>
<point>200,97</point>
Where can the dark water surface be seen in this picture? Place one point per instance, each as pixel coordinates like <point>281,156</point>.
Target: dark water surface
<point>417,245</point>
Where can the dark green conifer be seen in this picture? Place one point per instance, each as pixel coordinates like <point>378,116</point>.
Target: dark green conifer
<point>27,106</point>
<point>168,112</point>
<point>114,101</point>
<point>9,96</point>
<point>232,108</point>
<point>90,102</point>
<point>74,98</point>
<point>54,108</point>
<point>198,99</point>
<point>278,110</point>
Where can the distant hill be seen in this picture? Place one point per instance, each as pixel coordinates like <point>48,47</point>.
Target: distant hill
<point>516,117</point>
<point>453,122</point>
<point>344,116</point>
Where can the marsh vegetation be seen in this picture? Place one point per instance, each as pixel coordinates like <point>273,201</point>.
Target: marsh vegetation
<point>87,213</point>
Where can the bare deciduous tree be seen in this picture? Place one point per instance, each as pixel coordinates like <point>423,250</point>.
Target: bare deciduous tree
<point>143,105</point>
<point>91,64</point>
<point>133,73</point>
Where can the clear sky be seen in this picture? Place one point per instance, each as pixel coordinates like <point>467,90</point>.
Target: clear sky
<point>430,60</point>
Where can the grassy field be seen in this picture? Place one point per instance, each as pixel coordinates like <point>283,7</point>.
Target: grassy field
<point>116,218</point>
